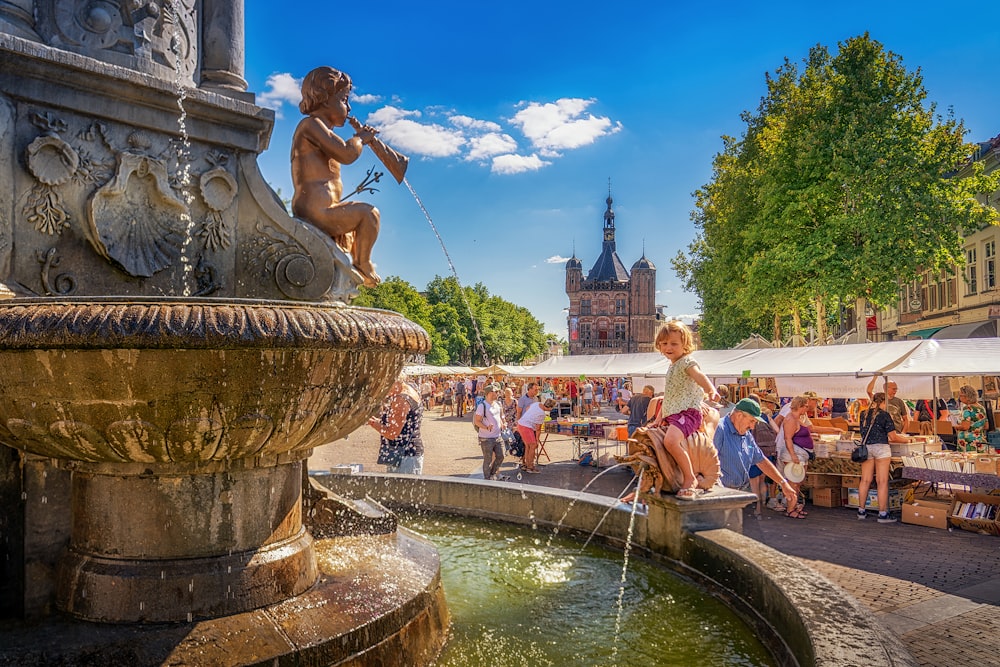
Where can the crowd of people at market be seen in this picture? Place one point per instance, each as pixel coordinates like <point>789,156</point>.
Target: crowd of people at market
<point>764,443</point>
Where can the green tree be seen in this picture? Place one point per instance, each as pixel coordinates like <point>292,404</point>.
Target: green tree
<point>397,295</point>
<point>506,332</point>
<point>842,186</point>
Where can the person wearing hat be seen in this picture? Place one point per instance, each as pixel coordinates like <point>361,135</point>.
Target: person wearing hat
<point>738,451</point>
<point>488,417</point>
<point>811,399</point>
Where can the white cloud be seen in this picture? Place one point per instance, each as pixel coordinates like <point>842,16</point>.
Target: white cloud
<point>516,164</point>
<point>557,259</point>
<point>398,130</point>
<point>550,127</point>
<point>489,145</point>
<point>560,125</point>
<point>367,98</point>
<point>389,115</point>
<point>281,88</point>
<point>474,123</point>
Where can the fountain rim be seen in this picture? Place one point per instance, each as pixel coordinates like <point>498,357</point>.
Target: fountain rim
<point>201,323</point>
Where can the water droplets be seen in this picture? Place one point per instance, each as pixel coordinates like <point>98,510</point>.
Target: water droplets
<point>183,150</point>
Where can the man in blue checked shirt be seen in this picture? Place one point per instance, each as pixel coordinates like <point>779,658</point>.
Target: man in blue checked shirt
<point>738,451</point>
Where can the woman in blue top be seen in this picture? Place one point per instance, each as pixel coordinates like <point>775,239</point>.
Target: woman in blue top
<point>877,431</point>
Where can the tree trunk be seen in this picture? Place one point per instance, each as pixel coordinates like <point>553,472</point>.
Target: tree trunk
<point>821,319</point>
<point>861,320</point>
<point>796,325</point>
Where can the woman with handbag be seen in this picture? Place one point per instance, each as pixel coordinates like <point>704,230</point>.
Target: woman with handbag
<point>401,450</point>
<point>877,431</point>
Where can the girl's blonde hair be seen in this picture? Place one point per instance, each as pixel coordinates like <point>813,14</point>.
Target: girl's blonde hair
<point>678,327</point>
<point>798,402</point>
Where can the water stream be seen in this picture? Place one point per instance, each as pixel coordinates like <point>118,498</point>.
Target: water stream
<point>183,151</point>
<point>454,272</point>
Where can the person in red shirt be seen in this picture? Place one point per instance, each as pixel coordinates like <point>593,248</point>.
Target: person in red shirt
<point>574,397</point>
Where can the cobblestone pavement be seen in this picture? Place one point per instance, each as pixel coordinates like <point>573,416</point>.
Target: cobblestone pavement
<point>938,589</point>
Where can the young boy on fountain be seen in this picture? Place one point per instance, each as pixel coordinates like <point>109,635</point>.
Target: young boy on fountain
<point>317,154</point>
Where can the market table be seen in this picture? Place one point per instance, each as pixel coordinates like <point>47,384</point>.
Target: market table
<point>586,434</point>
<point>978,480</point>
<point>845,467</point>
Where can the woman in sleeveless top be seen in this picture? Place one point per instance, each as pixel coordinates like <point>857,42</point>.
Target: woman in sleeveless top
<point>793,436</point>
<point>401,449</point>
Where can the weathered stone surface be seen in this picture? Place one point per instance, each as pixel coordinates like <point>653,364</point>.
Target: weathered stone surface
<point>161,382</point>
<point>358,613</point>
<point>118,193</point>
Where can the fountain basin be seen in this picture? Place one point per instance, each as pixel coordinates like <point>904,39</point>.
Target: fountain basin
<point>358,613</point>
<point>803,618</point>
<point>185,424</point>
<point>144,381</point>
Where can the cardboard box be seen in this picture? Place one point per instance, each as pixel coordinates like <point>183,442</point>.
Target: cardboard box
<point>896,498</point>
<point>849,482</point>
<point>828,497</point>
<point>820,481</point>
<point>930,513</point>
<point>986,526</point>
<point>985,463</point>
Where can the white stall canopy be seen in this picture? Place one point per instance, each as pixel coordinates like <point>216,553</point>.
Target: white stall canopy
<point>837,370</point>
<point>596,365</point>
<point>426,369</point>
<point>972,356</point>
<point>829,370</point>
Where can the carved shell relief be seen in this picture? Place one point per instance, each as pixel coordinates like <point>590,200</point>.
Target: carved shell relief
<point>136,219</point>
<point>136,199</point>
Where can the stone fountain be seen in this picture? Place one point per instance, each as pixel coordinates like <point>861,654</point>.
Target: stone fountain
<point>173,345</point>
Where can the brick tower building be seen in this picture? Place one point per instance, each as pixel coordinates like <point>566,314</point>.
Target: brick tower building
<point>611,311</point>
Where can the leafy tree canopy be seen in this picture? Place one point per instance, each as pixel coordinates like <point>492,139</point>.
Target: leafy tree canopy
<point>508,333</point>
<point>842,186</point>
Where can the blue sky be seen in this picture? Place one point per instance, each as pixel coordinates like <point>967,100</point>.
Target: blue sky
<point>515,115</point>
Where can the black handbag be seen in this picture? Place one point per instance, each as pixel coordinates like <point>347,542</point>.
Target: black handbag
<point>860,453</point>
<point>389,456</point>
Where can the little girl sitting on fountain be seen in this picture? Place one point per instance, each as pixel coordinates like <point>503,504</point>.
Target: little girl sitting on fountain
<point>680,412</point>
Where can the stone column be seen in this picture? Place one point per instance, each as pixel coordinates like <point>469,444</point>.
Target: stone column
<point>17,17</point>
<point>222,46</point>
<point>162,543</point>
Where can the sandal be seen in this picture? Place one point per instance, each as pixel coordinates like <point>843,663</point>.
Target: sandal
<point>795,514</point>
<point>689,493</point>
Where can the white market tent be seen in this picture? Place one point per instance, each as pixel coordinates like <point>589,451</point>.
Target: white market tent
<point>425,369</point>
<point>829,370</point>
<point>499,369</point>
<point>596,365</point>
